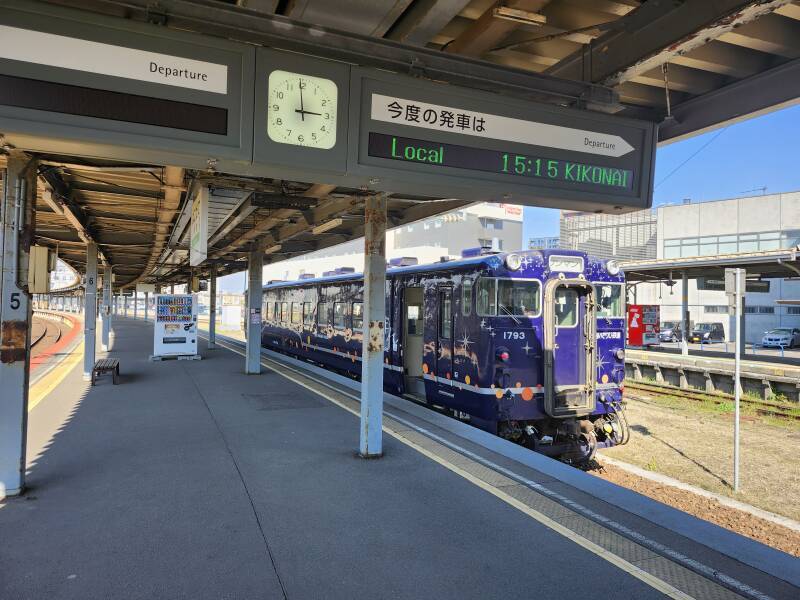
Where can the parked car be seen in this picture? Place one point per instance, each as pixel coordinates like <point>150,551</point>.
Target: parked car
<point>707,332</point>
<point>781,337</point>
<point>670,331</point>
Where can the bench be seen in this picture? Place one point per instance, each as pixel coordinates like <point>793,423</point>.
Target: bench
<point>103,366</point>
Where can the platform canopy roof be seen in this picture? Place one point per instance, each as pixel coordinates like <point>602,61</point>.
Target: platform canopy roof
<point>725,60</point>
<point>768,264</point>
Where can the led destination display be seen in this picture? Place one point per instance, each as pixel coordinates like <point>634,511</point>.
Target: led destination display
<point>495,161</point>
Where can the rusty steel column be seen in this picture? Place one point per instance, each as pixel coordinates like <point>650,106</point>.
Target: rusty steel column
<point>371,438</point>
<point>252,325</point>
<point>212,308</point>
<point>90,311</point>
<point>17,224</point>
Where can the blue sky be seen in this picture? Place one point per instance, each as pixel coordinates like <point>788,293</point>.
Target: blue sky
<point>752,154</point>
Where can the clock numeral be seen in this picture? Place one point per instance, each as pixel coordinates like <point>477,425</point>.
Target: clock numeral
<point>323,128</point>
<point>313,136</point>
<point>279,95</point>
<point>302,85</point>
<point>324,102</point>
<point>275,107</point>
<point>327,116</point>
<point>300,138</point>
<point>278,121</point>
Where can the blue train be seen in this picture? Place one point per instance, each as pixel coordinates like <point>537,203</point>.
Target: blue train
<point>526,345</point>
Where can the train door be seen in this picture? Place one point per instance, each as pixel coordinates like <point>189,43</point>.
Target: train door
<point>413,339</point>
<point>444,333</point>
<point>570,347</point>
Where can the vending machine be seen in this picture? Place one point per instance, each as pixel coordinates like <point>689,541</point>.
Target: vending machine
<point>643,324</point>
<point>175,330</point>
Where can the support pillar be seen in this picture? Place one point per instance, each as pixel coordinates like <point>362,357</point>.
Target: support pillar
<point>90,314</point>
<point>17,221</point>
<point>105,310</point>
<point>685,313</point>
<point>135,304</point>
<point>125,305</point>
<point>742,341</point>
<point>146,304</point>
<point>212,308</point>
<point>255,270</point>
<point>371,437</point>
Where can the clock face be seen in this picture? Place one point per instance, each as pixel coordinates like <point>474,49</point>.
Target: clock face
<point>302,110</point>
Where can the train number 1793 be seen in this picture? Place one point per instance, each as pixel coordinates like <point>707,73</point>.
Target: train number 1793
<point>513,335</point>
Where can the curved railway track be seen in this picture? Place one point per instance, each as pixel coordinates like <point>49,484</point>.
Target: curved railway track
<point>44,333</point>
<point>766,408</point>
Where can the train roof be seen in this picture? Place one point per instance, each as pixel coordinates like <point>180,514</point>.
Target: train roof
<point>490,260</point>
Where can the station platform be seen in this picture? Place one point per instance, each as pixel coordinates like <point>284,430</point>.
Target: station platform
<point>190,479</point>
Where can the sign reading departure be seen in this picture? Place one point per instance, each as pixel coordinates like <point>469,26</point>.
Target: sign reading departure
<point>422,137</point>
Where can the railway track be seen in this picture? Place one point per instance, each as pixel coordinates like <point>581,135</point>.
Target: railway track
<point>44,334</point>
<point>761,407</point>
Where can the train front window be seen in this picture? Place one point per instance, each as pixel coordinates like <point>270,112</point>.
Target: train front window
<point>518,298</point>
<point>609,300</point>
<point>566,307</point>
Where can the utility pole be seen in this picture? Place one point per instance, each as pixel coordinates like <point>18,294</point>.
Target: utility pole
<point>735,282</point>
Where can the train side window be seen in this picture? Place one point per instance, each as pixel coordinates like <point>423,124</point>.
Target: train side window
<point>322,314</point>
<point>518,297</point>
<point>284,311</point>
<point>445,314</point>
<point>486,294</point>
<point>276,311</point>
<point>358,315</point>
<point>340,314</point>
<point>295,312</point>
<point>308,313</point>
<point>466,297</point>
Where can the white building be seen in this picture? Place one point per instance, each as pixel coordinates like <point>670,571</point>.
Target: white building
<point>446,235</point>
<point>768,222</point>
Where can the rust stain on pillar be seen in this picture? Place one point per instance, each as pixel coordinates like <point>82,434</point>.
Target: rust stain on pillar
<point>13,341</point>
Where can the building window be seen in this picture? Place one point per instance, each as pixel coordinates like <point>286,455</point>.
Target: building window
<point>715,308</point>
<point>793,310</point>
<point>488,223</point>
<point>358,315</point>
<point>466,297</point>
<point>487,243</point>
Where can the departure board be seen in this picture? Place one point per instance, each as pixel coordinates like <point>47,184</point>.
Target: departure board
<point>437,154</point>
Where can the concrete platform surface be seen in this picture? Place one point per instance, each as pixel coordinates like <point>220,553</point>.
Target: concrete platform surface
<point>193,480</point>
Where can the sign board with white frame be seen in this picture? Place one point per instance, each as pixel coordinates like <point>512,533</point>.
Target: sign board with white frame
<point>198,228</point>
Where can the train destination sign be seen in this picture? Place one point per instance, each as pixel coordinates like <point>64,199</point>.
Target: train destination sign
<point>495,161</point>
<point>426,138</point>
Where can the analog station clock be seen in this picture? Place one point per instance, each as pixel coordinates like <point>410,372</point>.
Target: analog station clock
<point>302,110</point>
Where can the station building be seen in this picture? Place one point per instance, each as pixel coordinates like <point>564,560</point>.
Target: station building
<point>429,240</point>
<point>690,229</point>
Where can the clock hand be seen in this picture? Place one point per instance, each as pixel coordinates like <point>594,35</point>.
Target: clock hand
<point>302,112</point>
<point>307,112</point>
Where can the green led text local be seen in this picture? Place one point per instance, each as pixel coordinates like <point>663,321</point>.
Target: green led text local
<point>412,152</point>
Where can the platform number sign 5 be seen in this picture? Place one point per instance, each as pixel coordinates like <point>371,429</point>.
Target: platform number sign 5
<point>14,302</point>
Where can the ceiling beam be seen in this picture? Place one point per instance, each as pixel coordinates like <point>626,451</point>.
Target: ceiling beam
<point>116,190</point>
<point>777,88</point>
<point>654,34</point>
<point>424,19</point>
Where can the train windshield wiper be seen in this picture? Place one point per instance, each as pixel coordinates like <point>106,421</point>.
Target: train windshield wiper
<point>509,313</point>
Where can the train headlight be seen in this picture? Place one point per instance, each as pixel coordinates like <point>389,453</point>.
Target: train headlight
<point>513,262</point>
<point>612,267</point>
<point>620,354</point>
